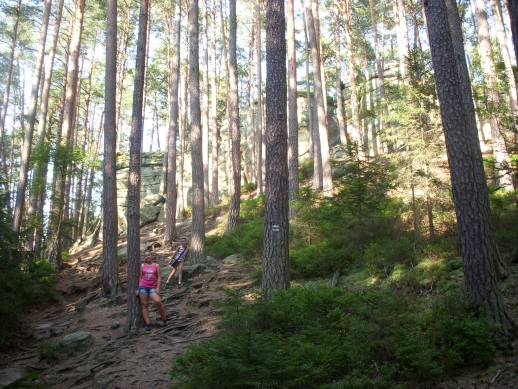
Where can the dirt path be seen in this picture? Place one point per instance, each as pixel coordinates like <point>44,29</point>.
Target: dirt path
<point>118,360</point>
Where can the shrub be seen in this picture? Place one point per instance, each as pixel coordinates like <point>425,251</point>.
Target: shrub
<point>319,336</point>
<point>245,239</point>
<point>319,260</point>
<point>24,280</point>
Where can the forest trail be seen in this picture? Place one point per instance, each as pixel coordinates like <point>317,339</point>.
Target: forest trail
<point>115,359</point>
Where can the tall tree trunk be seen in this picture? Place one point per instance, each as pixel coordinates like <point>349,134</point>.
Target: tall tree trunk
<point>88,199</point>
<point>39,171</point>
<point>251,103</point>
<point>205,104</point>
<point>260,109</point>
<point>110,276</point>
<point>502,162</point>
<point>512,6</point>
<point>233,122</point>
<point>214,113</point>
<point>123,41</point>
<point>293,121</point>
<point>31,119</point>
<point>67,131</point>
<point>504,52</point>
<point>170,219</point>
<point>198,209</point>
<point>355,116</point>
<point>379,68</point>
<point>402,36</point>
<point>338,69</point>
<point>276,274</point>
<point>478,246</point>
<point>5,101</point>
<point>309,100</point>
<point>327,183</point>
<point>134,178</point>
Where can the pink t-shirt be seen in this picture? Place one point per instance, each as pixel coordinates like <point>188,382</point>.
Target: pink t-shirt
<point>149,276</point>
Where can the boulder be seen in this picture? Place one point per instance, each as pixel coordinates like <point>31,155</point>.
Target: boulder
<point>78,342</point>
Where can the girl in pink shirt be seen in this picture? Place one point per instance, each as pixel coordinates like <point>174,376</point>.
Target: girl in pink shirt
<point>149,288</point>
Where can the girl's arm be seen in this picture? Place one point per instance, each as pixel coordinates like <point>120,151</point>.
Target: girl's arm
<point>158,278</point>
<point>140,277</point>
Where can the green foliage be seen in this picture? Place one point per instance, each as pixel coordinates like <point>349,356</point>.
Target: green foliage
<point>251,209</point>
<point>24,280</point>
<point>248,188</point>
<point>245,239</point>
<point>53,350</point>
<point>324,337</point>
<point>306,169</point>
<point>319,260</point>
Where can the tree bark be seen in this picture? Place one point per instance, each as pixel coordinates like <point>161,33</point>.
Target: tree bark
<point>355,118</point>
<point>171,198</point>
<point>39,171</point>
<point>5,101</point>
<point>205,104</point>
<point>67,132</point>
<point>233,122</point>
<point>260,109</point>
<point>275,274</point>
<point>512,6</point>
<point>478,246</point>
<point>110,276</point>
<point>134,178</point>
<point>500,154</point>
<point>293,125</point>
<point>198,208</point>
<point>31,119</point>
<point>338,69</point>
<point>214,113</point>
<point>327,182</point>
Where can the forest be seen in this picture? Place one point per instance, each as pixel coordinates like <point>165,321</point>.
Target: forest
<point>362,154</point>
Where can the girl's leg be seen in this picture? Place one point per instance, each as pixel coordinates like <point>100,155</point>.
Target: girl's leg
<point>158,304</point>
<point>180,267</point>
<point>144,301</point>
<point>171,275</point>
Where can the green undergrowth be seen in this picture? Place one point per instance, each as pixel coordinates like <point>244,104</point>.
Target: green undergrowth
<point>318,336</point>
<point>24,280</point>
<point>398,316</point>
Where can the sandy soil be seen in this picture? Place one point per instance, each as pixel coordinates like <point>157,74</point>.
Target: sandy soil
<point>119,360</point>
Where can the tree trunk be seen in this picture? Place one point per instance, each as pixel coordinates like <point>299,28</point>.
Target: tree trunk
<point>121,69</point>
<point>308,92</point>
<point>379,68</point>
<point>276,274</point>
<point>170,219</point>
<point>5,101</point>
<point>260,130</point>
<point>327,183</point>
<point>134,178</point>
<point>39,171</point>
<point>67,132</point>
<point>355,118</point>
<point>214,113</point>
<point>110,276</point>
<point>512,6</point>
<point>31,119</point>
<point>251,102</point>
<point>198,209</point>
<point>504,52</point>
<point>478,246</point>
<point>338,69</point>
<point>502,163</point>
<point>205,104</point>
<point>233,122</point>
<point>293,122</point>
